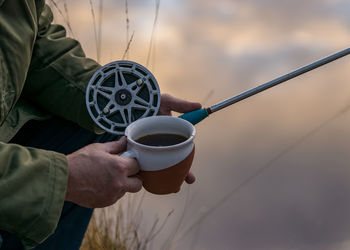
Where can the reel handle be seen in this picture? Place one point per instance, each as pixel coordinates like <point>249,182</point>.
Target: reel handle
<point>195,116</point>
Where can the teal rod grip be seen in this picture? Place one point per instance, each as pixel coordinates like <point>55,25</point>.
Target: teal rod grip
<point>195,116</point>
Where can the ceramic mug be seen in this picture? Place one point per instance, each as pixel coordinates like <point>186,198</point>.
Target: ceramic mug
<point>163,168</point>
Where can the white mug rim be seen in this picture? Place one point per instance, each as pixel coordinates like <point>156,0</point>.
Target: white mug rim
<point>160,148</point>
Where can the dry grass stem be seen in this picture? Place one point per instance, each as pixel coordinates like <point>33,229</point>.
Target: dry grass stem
<point>64,16</point>
<point>169,243</point>
<point>95,31</point>
<point>208,96</point>
<point>151,43</point>
<point>126,52</point>
<point>99,31</point>
<point>127,23</point>
<point>119,227</point>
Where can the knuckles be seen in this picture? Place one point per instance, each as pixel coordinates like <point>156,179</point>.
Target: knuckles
<point>118,187</point>
<point>122,168</point>
<point>125,166</point>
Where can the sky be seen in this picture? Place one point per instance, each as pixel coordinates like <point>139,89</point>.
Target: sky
<point>297,133</point>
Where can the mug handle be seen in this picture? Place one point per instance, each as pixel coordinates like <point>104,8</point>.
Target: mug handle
<point>129,154</point>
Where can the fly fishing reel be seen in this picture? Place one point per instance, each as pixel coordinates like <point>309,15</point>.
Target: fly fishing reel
<point>121,92</point>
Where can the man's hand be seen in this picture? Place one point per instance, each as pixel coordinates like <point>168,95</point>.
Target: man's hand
<point>169,103</point>
<point>98,177</point>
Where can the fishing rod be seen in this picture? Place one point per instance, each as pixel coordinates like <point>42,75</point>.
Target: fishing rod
<point>200,114</point>
<point>121,92</point>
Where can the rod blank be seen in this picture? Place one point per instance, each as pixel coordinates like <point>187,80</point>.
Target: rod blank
<point>278,80</point>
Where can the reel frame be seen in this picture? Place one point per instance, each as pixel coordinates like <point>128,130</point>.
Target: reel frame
<point>121,92</point>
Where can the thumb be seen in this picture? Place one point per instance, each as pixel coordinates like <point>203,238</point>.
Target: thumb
<point>116,147</point>
<point>179,105</point>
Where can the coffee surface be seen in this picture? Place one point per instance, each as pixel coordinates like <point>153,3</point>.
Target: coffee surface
<point>159,140</point>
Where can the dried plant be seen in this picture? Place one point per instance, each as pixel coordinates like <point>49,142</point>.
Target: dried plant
<point>64,15</point>
<point>97,28</point>
<point>126,52</point>
<point>151,43</point>
<point>119,227</point>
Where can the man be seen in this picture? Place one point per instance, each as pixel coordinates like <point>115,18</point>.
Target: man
<point>44,160</point>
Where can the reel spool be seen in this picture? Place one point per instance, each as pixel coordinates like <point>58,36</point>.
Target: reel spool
<point>121,92</point>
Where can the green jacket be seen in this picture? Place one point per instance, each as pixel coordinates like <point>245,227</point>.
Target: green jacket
<point>42,73</point>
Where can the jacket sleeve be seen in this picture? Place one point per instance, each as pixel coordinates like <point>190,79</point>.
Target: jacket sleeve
<point>32,181</point>
<point>59,73</point>
<point>32,190</point>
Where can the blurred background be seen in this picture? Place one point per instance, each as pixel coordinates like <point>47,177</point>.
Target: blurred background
<point>272,171</point>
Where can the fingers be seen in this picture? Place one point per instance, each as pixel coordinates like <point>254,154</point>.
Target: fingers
<point>179,105</point>
<point>133,184</point>
<point>115,147</point>
<point>132,167</point>
<point>190,178</point>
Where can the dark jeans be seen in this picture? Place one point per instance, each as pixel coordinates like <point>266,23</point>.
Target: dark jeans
<point>64,137</point>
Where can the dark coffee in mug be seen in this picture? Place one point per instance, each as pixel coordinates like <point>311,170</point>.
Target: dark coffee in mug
<point>160,140</point>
